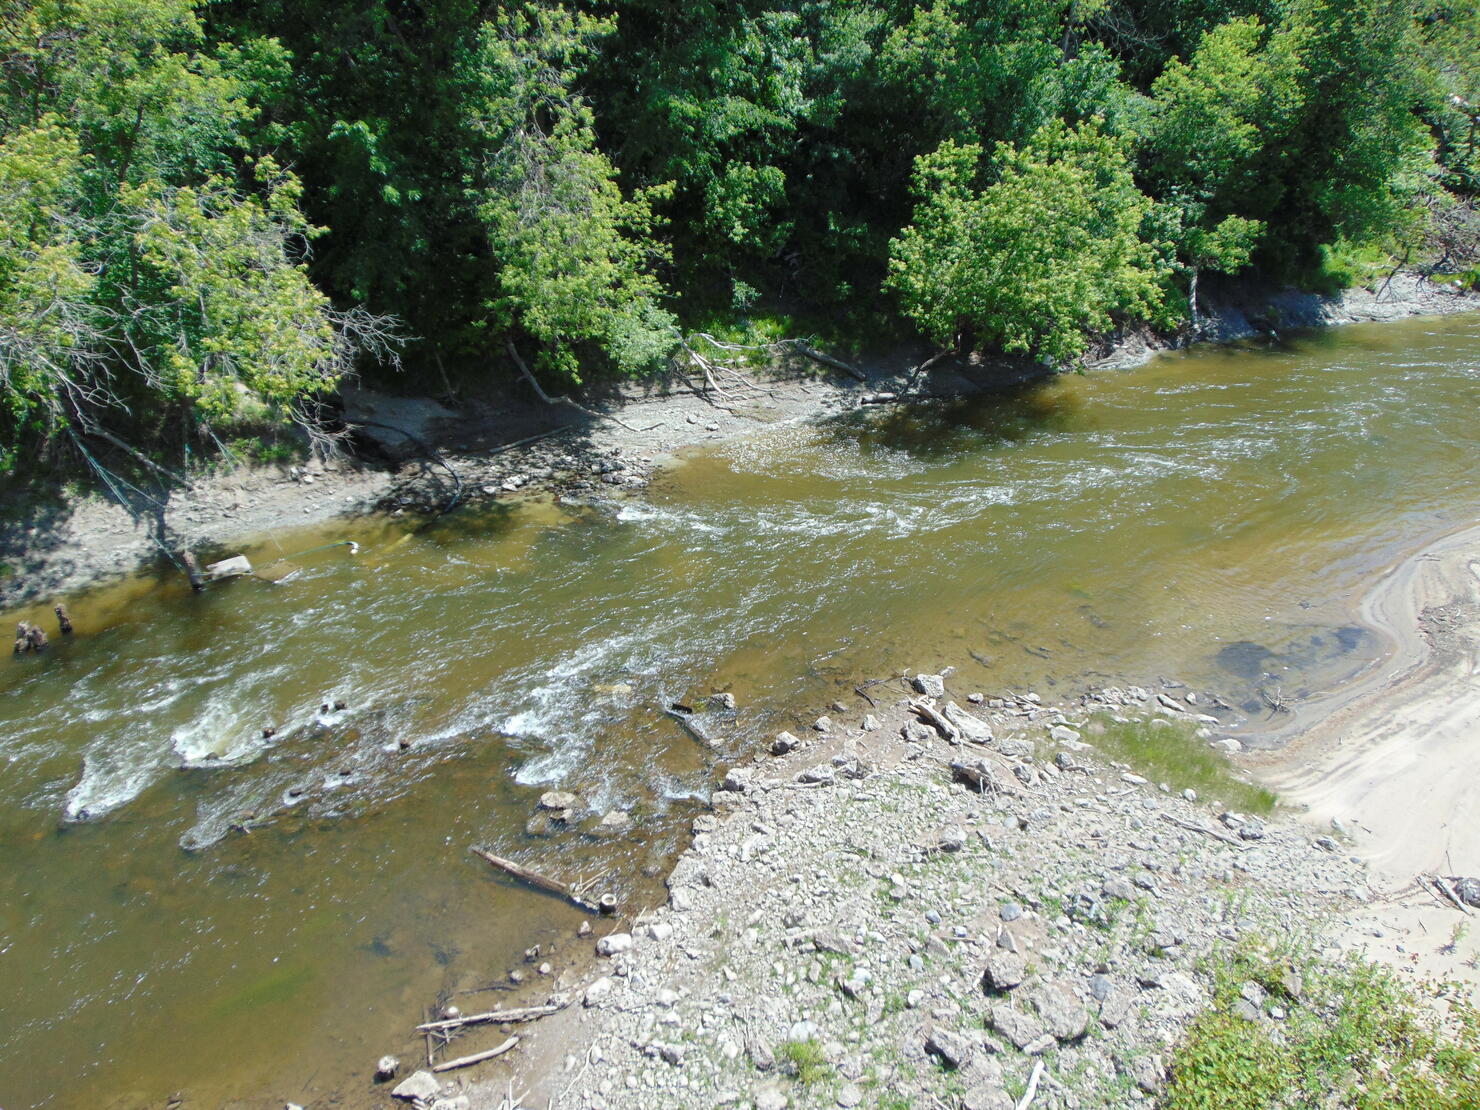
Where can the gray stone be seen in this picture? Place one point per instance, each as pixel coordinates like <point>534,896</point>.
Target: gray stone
<point>1118,887</point>
<point>737,779</point>
<point>849,1095</point>
<point>1063,1014</point>
<point>1100,987</point>
<point>823,724</point>
<point>987,1096</point>
<point>1146,1072</point>
<point>457,1102</point>
<point>871,724</point>
<point>821,773</point>
<point>418,1086</point>
<point>386,1067</point>
<point>722,701</point>
<point>615,822</point>
<point>931,685</point>
<point>597,992</point>
<point>614,944</point>
<point>783,743</point>
<point>1015,747</point>
<point>1010,911</point>
<point>1063,734</point>
<point>1019,1028</point>
<point>951,839</point>
<point>972,728</point>
<point>760,1055</point>
<point>1115,1009</point>
<point>1004,971</point>
<point>1245,1009</point>
<point>558,800</point>
<point>769,1097</point>
<point>953,1049</point>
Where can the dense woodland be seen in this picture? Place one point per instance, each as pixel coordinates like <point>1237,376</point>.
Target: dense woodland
<point>211,212</point>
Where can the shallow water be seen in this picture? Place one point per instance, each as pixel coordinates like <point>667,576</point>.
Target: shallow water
<point>1207,517</point>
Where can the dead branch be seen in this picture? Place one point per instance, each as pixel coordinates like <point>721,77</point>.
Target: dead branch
<point>1193,826</point>
<point>827,360</point>
<point>924,709</point>
<point>545,397</point>
<point>541,882</point>
<point>496,1017</point>
<point>477,1057</point>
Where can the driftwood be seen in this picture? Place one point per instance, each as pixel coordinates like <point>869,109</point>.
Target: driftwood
<point>542,882</point>
<point>477,1057</point>
<point>828,360</point>
<point>924,709</point>
<point>1193,826</point>
<point>1032,1086</point>
<point>1448,892</point>
<point>495,1017</point>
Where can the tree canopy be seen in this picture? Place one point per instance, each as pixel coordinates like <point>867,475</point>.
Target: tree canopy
<point>211,213</point>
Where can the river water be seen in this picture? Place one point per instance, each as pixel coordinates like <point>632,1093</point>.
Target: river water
<point>1208,517</point>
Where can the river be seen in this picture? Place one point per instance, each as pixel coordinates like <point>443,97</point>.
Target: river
<point>190,907</point>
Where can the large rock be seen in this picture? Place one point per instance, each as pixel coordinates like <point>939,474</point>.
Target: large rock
<point>972,728</point>
<point>1019,1028</point>
<point>1004,970</point>
<point>1063,1014</point>
<point>419,1086</point>
<point>954,1050</point>
<point>737,779</point>
<point>931,685</point>
<point>558,800</point>
<point>613,944</point>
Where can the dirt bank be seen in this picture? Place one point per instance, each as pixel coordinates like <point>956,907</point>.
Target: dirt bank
<point>422,455</point>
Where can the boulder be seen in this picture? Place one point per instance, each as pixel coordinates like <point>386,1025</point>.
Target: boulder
<point>1004,971</point>
<point>1062,1013</point>
<point>931,685</point>
<point>556,800</point>
<point>972,728</point>
<point>419,1086</point>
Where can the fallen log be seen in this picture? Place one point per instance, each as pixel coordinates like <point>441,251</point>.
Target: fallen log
<point>944,726</point>
<point>477,1057</point>
<point>541,882</point>
<point>495,1017</point>
<point>827,360</point>
<point>1443,888</point>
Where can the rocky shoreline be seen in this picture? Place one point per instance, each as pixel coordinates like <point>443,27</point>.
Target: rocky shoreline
<point>888,912</point>
<point>424,457</point>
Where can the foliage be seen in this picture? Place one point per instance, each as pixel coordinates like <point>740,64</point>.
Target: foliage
<point>1046,254</point>
<point>806,1061</point>
<point>1352,1036</point>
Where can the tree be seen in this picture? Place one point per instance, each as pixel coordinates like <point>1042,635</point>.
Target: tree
<point>1045,255</point>
<point>575,256</point>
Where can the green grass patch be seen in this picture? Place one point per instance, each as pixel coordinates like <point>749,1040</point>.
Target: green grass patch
<point>1353,1036</point>
<point>1171,752</point>
<point>804,1061</point>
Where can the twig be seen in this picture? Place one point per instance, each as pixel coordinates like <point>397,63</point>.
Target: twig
<point>545,397</point>
<point>477,1057</point>
<point>1193,826</point>
<point>1032,1086</point>
<point>827,360</point>
<point>499,450</point>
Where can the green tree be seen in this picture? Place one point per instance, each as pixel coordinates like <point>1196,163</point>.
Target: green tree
<point>1041,258</point>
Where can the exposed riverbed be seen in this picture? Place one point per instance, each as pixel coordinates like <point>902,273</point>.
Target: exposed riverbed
<point>1207,517</point>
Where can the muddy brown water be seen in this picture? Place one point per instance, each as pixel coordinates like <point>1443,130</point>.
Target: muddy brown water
<point>1207,518</point>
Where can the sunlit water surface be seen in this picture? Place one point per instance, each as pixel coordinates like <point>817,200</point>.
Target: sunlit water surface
<point>1208,517</point>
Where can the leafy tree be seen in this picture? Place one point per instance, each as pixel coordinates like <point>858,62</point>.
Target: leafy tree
<point>1046,253</point>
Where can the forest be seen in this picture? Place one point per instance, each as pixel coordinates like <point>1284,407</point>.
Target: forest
<point>211,213</point>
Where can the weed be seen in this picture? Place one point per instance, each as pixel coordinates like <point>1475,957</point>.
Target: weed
<point>1171,752</point>
<point>805,1061</point>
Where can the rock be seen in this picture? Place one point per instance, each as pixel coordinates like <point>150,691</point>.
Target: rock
<point>1251,829</point>
<point>1063,734</point>
<point>1010,911</point>
<point>725,700</point>
<point>1227,744</point>
<point>1146,1072</point>
<point>458,1102</point>
<point>614,944</point>
<point>1064,761</point>
<point>951,839</point>
<point>1170,703</point>
<point>737,779</point>
<point>558,800</point>
<point>972,728</point>
<point>783,743</point>
<point>1115,1009</point>
<point>233,567</point>
<point>597,992</point>
<point>760,1055</point>
<point>769,1097</point>
<point>1023,773</point>
<point>871,724</point>
<point>1004,971</point>
<point>1118,887</point>
<point>849,1095</point>
<point>931,685</point>
<point>419,1086</point>
<point>975,773</point>
<point>614,822</point>
<point>953,1049</point>
<point>823,724</point>
<point>1063,1014</point>
<point>821,773</point>
<point>659,930</point>
<point>987,1096</point>
<point>1015,747</point>
<point>1019,1028</point>
<point>386,1067</point>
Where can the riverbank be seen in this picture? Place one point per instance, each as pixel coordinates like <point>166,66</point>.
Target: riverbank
<point>422,456</point>
<point>895,913</point>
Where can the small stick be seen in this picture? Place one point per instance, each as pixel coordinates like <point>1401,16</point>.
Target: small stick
<point>429,1043</point>
<point>477,1057</point>
<point>1032,1086</point>
<point>1193,826</point>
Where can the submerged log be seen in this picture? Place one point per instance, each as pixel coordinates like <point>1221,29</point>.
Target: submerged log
<point>541,882</point>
